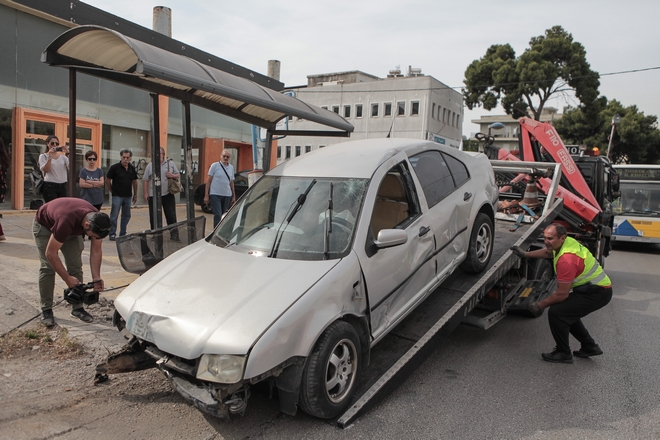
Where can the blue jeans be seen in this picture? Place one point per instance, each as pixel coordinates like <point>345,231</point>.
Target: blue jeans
<point>219,205</point>
<point>123,203</point>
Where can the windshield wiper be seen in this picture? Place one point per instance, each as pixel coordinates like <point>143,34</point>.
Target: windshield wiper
<point>328,227</point>
<point>293,210</point>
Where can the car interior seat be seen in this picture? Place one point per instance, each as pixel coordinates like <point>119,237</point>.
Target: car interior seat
<point>391,207</point>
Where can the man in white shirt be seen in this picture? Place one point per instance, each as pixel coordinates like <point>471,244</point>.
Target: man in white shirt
<point>220,187</point>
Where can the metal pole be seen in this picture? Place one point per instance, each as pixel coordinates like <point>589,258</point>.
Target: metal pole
<point>73,171</point>
<point>157,218</point>
<point>187,148</point>
<point>609,144</point>
<point>267,148</point>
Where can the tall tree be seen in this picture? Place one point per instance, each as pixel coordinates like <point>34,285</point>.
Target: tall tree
<point>552,64</point>
<point>636,139</point>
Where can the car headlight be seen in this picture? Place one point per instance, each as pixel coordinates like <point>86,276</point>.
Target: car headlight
<point>221,368</point>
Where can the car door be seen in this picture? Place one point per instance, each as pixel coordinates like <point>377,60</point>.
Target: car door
<point>449,205</point>
<point>396,277</point>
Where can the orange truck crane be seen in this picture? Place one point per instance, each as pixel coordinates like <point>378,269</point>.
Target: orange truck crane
<point>588,184</point>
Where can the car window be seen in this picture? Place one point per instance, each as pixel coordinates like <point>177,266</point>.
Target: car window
<point>394,205</point>
<point>458,170</point>
<point>433,173</point>
<point>298,218</point>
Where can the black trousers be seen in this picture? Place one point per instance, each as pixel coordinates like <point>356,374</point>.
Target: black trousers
<point>169,209</point>
<point>52,191</point>
<point>565,317</point>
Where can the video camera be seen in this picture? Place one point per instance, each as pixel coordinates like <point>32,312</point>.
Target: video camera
<point>81,293</point>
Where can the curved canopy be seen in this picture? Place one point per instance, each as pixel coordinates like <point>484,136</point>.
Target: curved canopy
<point>104,53</point>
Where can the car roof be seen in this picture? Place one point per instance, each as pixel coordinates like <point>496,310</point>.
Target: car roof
<point>353,159</point>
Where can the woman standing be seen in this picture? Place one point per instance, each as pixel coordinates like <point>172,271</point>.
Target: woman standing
<point>91,181</point>
<point>4,166</point>
<point>55,165</point>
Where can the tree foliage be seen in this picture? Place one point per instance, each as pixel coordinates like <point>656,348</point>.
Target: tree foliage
<point>636,139</point>
<point>552,64</point>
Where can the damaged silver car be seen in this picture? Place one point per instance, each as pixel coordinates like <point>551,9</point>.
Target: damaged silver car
<point>310,269</point>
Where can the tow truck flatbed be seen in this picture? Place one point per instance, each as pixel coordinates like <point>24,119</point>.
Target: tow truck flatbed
<point>400,352</point>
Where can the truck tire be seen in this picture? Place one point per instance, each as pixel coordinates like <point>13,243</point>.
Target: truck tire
<point>480,247</point>
<point>330,376</point>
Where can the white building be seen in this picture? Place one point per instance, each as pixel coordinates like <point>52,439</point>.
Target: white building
<point>507,137</point>
<point>411,106</point>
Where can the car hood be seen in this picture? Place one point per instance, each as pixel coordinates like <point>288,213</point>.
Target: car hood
<point>208,300</point>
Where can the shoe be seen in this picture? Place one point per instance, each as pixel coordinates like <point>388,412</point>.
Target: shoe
<point>585,352</point>
<point>112,238</point>
<point>2,238</point>
<point>558,357</point>
<point>47,318</point>
<point>82,315</point>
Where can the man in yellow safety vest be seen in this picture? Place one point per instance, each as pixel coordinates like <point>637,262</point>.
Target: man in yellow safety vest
<point>582,288</point>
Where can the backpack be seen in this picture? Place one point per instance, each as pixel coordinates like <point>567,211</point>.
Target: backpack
<point>37,179</point>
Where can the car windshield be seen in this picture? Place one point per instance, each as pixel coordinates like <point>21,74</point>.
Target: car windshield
<point>298,218</point>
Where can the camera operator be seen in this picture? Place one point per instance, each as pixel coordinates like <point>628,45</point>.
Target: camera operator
<point>54,164</point>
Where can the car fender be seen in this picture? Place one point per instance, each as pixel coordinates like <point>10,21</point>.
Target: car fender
<point>337,294</point>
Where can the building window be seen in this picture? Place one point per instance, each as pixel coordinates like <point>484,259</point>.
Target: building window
<point>347,111</point>
<point>308,148</point>
<point>288,152</point>
<point>290,118</point>
<point>335,108</point>
<point>324,107</point>
<point>358,110</point>
<point>433,111</point>
<point>388,109</point>
<point>321,146</point>
<point>401,108</point>
<point>374,110</point>
<point>444,115</point>
<point>414,109</point>
<point>279,152</point>
<point>297,150</point>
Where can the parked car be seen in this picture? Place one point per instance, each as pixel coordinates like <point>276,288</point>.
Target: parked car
<point>320,259</point>
<point>240,186</point>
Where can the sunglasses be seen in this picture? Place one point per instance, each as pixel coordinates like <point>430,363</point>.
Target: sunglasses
<point>91,158</point>
<point>54,143</point>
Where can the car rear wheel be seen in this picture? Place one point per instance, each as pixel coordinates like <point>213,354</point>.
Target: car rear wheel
<point>481,245</point>
<point>330,377</point>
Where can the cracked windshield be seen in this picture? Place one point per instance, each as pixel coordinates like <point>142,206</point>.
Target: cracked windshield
<point>299,218</point>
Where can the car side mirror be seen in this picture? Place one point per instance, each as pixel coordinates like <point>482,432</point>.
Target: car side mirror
<point>390,237</point>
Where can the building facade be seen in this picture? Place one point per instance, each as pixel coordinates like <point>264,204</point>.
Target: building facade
<point>507,137</point>
<point>34,101</point>
<point>403,106</point>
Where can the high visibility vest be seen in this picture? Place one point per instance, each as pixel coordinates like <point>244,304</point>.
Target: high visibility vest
<point>592,272</point>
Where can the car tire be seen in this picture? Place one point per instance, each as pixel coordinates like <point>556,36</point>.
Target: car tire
<point>480,248</point>
<point>331,372</point>
<point>206,207</point>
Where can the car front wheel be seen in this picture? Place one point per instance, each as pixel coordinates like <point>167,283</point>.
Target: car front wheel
<point>331,372</point>
<point>481,245</point>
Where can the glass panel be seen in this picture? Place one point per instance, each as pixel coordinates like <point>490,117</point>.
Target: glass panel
<point>82,133</point>
<point>5,135</point>
<point>38,127</point>
<point>33,148</point>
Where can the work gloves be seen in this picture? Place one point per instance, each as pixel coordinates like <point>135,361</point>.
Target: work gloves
<point>534,308</point>
<point>518,251</point>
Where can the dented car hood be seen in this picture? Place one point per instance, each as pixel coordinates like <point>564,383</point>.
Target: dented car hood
<point>209,300</point>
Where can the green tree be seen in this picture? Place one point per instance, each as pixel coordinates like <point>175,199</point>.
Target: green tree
<point>636,139</point>
<point>552,64</point>
<point>470,144</point>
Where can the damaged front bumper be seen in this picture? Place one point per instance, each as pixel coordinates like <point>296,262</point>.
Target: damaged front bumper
<point>218,400</point>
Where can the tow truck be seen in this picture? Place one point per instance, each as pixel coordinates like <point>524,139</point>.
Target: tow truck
<point>575,190</point>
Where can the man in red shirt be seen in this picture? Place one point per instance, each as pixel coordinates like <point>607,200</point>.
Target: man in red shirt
<point>59,226</point>
<point>582,288</point>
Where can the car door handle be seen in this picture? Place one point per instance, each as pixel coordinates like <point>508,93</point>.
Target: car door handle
<point>424,230</point>
<point>467,196</point>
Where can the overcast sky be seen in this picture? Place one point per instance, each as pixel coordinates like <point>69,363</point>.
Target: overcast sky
<point>440,37</point>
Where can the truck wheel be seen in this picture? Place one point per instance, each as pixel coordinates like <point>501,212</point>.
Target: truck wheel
<point>331,372</point>
<point>543,270</point>
<point>481,245</point>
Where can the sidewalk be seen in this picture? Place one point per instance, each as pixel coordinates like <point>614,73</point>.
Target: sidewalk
<point>19,267</point>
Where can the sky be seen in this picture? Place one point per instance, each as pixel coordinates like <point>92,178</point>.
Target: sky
<point>440,37</point>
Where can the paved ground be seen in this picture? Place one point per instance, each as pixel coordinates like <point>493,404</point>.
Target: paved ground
<point>19,264</point>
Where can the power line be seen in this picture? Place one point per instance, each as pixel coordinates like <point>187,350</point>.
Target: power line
<point>320,89</point>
